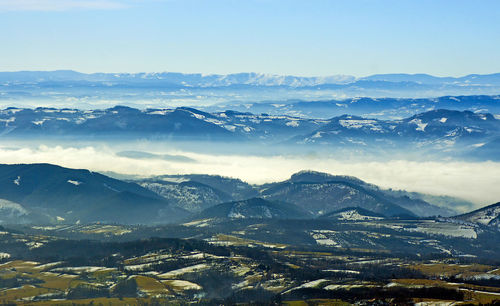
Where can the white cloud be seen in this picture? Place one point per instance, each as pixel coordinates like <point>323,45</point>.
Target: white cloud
<point>476,182</point>
<point>60,5</point>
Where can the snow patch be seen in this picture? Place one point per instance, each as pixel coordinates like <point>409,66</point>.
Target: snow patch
<point>195,268</point>
<point>198,116</point>
<point>160,112</point>
<point>317,135</point>
<point>324,237</point>
<point>342,271</point>
<point>420,125</point>
<point>39,122</point>
<point>230,128</point>
<point>88,269</point>
<point>353,215</point>
<point>198,223</point>
<point>13,207</point>
<point>4,255</point>
<point>444,229</point>
<point>356,124</point>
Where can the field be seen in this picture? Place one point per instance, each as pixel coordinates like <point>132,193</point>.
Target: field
<point>115,264</point>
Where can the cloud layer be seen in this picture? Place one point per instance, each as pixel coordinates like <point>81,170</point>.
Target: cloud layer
<point>476,182</point>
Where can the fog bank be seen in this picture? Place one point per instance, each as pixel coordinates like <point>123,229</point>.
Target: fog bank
<point>476,182</point>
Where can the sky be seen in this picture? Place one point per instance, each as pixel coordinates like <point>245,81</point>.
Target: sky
<point>307,37</point>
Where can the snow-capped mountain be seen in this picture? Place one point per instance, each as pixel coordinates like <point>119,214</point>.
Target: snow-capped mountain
<point>184,121</point>
<point>380,108</point>
<point>172,78</point>
<point>245,78</point>
<point>458,133</point>
<point>471,79</point>
<point>438,130</point>
<point>124,121</point>
<point>155,90</point>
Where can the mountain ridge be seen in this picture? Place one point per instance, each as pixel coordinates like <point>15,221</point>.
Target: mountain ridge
<point>46,193</point>
<point>241,78</point>
<point>440,128</point>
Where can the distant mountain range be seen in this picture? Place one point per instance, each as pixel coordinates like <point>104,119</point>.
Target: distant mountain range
<point>438,130</point>
<point>74,89</point>
<point>121,121</point>
<point>252,79</point>
<point>456,134</point>
<point>172,79</point>
<point>380,108</point>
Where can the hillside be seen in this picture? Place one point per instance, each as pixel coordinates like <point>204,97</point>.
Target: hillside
<point>255,208</point>
<point>71,195</point>
<point>489,215</point>
<point>322,193</point>
<point>329,192</point>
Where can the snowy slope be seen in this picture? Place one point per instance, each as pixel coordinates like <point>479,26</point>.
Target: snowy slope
<point>488,215</point>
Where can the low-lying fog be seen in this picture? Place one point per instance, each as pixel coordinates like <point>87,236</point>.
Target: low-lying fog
<point>474,181</point>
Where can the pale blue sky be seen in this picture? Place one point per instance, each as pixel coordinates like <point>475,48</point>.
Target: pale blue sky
<point>309,37</point>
